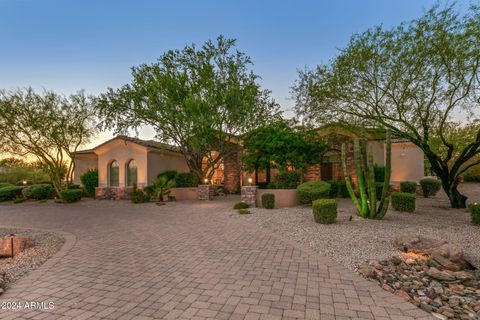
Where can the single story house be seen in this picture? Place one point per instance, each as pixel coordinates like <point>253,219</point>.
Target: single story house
<point>123,162</point>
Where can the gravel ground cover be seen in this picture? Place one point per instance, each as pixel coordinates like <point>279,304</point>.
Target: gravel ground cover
<point>354,242</point>
<point>46,245</point>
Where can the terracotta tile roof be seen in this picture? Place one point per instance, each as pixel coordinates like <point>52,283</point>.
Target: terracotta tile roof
<point>146,143</point>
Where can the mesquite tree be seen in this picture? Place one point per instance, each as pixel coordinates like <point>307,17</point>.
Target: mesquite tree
<point>199,99</point>
<point>48,127</point>
<point>415,79</point>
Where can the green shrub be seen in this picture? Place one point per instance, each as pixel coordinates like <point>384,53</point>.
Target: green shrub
<point>90,182</point>
<point>475,213</point>
<point>287,180</point>
<point>150,190</point>
<point>10,192</point>
<point>324,210</point>
<point>268,200</point>
<point>186,180</point>
<point>338,189</point>
<point>272,185</point>
<point>139,196</point>
<point>170,174</point>
<point>408,187</point>
<point>430,186</point>
<point>244,211</point>
<point>313,190</point>
<point>5,184</point>
<point>71,195</point>
<point>241,205</point>
<point>403,201</point>
<point>379,190</point>
<point>379,172</point>
<point>38,191</point>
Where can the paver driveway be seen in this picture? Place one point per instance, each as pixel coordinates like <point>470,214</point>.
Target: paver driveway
<point>184,260</point>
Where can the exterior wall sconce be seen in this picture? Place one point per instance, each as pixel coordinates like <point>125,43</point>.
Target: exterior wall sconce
<point>250,180</point>
<point>205,180</point>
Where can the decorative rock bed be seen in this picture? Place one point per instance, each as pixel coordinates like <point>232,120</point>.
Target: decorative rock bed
<point>31,249</point>
<point>431,274</point>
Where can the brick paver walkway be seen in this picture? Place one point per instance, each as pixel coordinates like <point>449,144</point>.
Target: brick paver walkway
<point>184,260</point>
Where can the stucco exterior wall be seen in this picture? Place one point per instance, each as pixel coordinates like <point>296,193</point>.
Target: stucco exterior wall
<point>159,161</point>
<point>121,151</point>
<point>83,162</point>
<point>407,162</point>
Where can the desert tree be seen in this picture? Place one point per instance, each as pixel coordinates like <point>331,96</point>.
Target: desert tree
<point>281,144</point>
<point>417,79</point>
<point>199,99</point>
<point>46,127</point>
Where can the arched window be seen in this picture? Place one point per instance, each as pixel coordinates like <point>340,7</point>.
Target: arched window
<point>113,173</point>
<point>131,173</point>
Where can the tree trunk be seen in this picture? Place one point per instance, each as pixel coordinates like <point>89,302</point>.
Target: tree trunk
<point>457,200</point>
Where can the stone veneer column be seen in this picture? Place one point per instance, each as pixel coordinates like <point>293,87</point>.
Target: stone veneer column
<point>205,192</point>
<point>232,170</point>
<point>249,195</point>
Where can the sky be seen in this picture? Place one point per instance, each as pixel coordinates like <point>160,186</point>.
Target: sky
<point>70,45</point>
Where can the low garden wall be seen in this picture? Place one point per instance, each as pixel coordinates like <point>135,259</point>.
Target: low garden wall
<point>185,193</point>
<point>283,197</point>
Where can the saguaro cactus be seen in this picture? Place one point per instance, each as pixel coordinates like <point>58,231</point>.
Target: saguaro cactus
<point>366,201</point>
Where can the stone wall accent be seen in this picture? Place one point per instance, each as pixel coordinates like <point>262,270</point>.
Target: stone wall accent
<point>232,170</point>
<point>205,192</point>
<point>249,195</point>
<point>112,193</point>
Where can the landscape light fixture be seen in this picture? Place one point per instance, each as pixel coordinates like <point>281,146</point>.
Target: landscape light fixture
<point>250,180</point>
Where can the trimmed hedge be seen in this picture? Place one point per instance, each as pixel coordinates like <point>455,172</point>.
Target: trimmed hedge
<point>287,180</point>
<point>313,190</point>
<point>241,205</point>
<point>244,211</point>
<point>268,200</point>
<point>475,213</point>
<point>186,180</point>
<point>430,186</point>
<point>10,192</point>
<point>403,201</point>
<point>71,195</point>
<point>408,187</point>
<point>38,191</point>
<point>325,210</point>
<point>90,182</point>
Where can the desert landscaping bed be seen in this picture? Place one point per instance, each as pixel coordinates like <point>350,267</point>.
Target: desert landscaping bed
<point>367,247</point>
<point>354,242</point>
<point>45,245</point>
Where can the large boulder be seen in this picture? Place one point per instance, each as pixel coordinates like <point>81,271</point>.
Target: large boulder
<point>417,244</point>
<point>19,244</point>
